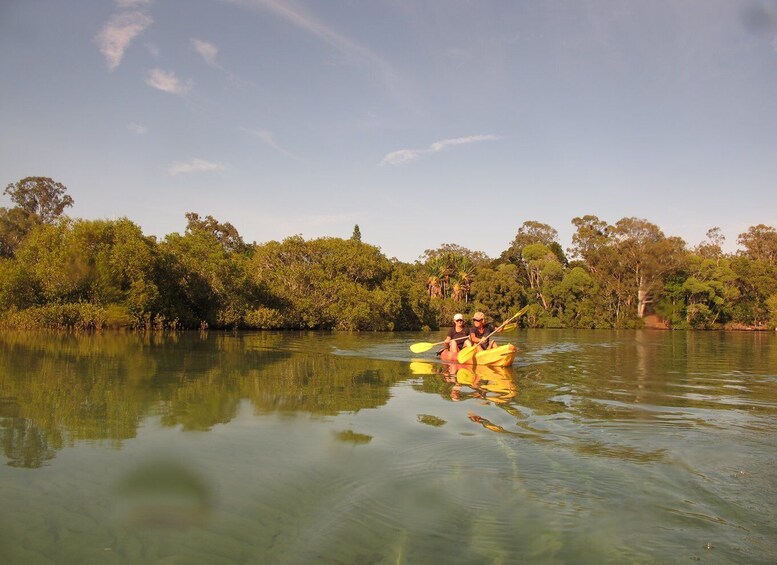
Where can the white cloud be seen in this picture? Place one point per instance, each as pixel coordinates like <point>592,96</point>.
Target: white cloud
<point>132,3</point>
<point>402,156</point>
<point>117,34</point>
<point>207,51</point>
<point>137,129</point>
<point>440,145</point>
<point>193,166</point>
<point>268,138</point>
<point>166,81</point>
<point>152,49</point>
<point>297,15</point>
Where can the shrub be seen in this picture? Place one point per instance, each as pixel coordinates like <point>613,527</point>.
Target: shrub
<point>77,316</point>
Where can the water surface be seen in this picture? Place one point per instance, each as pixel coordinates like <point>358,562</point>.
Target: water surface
<point>594,447</point>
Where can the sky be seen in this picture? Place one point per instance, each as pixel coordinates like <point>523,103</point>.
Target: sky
<point>423,121</point>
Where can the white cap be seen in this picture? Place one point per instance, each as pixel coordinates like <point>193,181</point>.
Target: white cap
<point>458,317</point>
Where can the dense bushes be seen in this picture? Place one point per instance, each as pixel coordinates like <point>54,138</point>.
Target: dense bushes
<point>78,316</point>
<point>57,272</point>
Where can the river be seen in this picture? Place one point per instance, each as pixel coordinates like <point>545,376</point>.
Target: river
<point>594,447</point>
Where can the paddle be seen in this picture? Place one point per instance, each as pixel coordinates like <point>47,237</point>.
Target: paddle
<point>508,328</point>
<point>466,354</point>
<point>425,346</point>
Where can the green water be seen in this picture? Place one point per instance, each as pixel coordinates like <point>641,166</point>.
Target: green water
<point>595,447</point>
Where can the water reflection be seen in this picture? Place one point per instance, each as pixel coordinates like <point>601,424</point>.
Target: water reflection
<point>57,389</point>
<point>300,447</point>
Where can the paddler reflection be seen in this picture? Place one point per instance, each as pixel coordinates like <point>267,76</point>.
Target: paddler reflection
<point>487,383</point>
<point>492,384</point>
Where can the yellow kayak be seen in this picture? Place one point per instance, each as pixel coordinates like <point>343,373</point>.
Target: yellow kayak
<point>501,356</point>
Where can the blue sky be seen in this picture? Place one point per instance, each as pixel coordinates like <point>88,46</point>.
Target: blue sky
<point>424,122</point>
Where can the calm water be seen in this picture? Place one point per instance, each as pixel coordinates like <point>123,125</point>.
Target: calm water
<point>617,447</point>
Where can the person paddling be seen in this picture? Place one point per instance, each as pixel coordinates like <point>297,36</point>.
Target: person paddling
<point>456,339</point>
<point>479,331</point>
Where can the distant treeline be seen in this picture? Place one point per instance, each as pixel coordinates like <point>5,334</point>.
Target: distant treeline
<point>59,272</point>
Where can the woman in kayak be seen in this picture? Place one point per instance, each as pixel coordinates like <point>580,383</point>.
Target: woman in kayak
<point>479,331</point>
<point>456,339</point>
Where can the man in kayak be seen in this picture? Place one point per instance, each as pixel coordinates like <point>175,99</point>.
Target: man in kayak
<point>456,339</point>
<point>479,330</point>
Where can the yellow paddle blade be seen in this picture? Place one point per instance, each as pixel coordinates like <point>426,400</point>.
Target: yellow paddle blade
<point>421,368</point>
<point>510,327</point>
<point>465,376</point>
<point>466,354</point>
<point>421,347</point>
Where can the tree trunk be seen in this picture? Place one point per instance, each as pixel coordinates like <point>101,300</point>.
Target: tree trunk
<point>641,302</point>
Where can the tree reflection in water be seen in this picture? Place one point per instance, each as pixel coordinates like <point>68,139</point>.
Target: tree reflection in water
<point>57,389</point>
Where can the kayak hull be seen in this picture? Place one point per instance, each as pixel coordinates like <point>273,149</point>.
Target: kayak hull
<point>448,357</point>
<point>501,356</point>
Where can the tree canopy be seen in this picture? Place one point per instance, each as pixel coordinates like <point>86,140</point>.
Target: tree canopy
<point>40,197</point>
<point>74,273</point>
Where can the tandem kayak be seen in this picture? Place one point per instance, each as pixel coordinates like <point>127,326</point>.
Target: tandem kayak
<point>501,356</point>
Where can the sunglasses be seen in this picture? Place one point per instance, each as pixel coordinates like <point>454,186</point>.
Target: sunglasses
<point>476,320</point>
<point>459,321</point>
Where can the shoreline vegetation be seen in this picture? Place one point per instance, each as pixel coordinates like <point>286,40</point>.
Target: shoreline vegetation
<point>58,272</point>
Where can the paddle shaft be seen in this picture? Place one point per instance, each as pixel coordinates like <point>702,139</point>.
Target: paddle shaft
<point>466,353</point>
<point>500,327</point>
<point>455,339</point>
<point>426,346</point>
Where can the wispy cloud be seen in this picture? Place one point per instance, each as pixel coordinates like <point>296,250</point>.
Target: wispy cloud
<point>137,129</point>
<point>117,34</point>
<point>167,81</point>
<point>206,50</point>
<point>132,3</point>
<point>268,139</point>
<point>152,49</point>
<point>402,156</point>
<point>193,166</point>
<point>297,15</point>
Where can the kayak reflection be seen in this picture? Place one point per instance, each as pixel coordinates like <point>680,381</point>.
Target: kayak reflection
<point>501,356</point>
<point>484,382</point>
<point>493,384</point>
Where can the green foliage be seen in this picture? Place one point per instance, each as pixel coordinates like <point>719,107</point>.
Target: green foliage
<point>264,318</point>
<point>771,307</point>
<point>77,316</point>
<point>206,282</point>
<point>40,197</point>
<point>225,233</point>
<point>498,292</point>
<point>760,243</point>
<point>62,273</point>
<point>574,300</point>
<point>529,233</point>
<point>407,298</point>
<point>326,283</point>
<point>15,224</point>
<point>756,280</point>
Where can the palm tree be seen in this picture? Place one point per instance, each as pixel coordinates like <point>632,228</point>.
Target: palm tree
<point>433,286</point>
<point>458,291</point>
<point>465,271</point>
<point>436,281</point>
